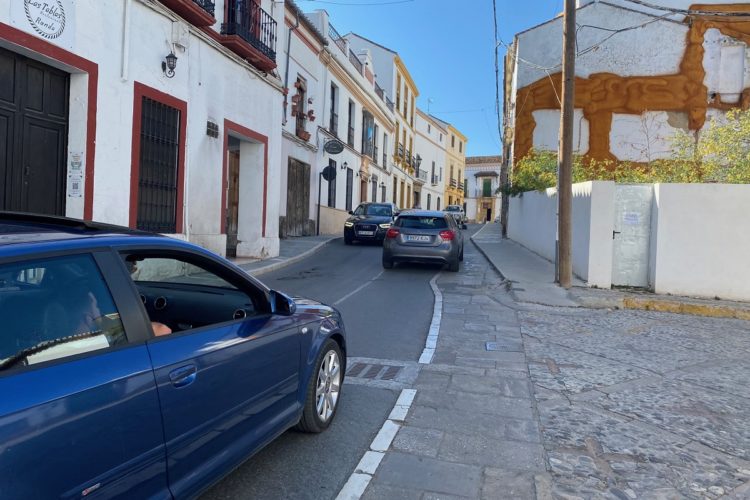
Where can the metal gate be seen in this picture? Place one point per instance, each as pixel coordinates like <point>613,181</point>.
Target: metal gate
<point>297,198</point>
<point>632,235</point>
<point>33,135</point>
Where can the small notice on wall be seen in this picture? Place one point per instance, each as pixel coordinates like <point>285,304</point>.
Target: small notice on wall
<point>631,218</point>
<point>75,174</point>
<point>75,186</point>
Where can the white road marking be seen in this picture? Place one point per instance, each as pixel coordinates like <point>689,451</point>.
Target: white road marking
<point>358,289</point>
<point>359,480</point>
<point>437,315</point>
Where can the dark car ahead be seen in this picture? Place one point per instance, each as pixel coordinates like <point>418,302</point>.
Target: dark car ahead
<point>369,222</point>
<point>424,236</point>
<point>139,366</point>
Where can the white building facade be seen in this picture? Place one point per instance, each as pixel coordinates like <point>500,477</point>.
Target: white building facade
<point>430,148</point>
<point>188,146</point>
<point>630,98</point>
<point>399,84</point>
<point>482,200</point>
<point>356,112</point>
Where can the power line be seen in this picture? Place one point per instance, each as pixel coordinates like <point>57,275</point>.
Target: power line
<point>691,12</point>
<point>358,4</point>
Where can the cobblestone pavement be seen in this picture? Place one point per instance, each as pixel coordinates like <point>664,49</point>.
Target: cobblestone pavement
<point>639,404</point>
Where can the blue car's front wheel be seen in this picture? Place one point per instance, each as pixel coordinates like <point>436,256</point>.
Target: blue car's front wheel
<point>323,390</point>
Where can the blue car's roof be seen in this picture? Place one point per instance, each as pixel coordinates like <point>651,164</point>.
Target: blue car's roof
<point>24,232</point>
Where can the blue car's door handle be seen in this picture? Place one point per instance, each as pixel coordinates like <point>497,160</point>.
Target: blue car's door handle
<point>183,376</point>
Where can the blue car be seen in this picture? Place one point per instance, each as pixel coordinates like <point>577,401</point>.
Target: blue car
<point>138,366</point>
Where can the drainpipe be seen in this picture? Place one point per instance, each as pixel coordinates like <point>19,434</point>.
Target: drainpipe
<point>288,56</point>
<point>125,53</point>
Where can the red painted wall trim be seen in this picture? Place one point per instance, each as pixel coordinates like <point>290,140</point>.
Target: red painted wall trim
<point>139,92</point>
<point>251,134</point>
<point>50,51</point>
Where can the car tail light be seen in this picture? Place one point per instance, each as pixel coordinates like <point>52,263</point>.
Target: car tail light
<point>392,233</point>
<point>447,235</point>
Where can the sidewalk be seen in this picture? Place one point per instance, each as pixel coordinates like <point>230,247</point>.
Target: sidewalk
<point>291,250</point>
<point>472,431</point>
<point>531,280</point>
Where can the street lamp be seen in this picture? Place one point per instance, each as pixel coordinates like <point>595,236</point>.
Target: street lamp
<point>418,162</point>
<point>169,64</point>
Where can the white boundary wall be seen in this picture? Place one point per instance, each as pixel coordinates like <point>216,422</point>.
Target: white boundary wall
<point>532,223</point>
<point>700,240</point>
<point>699,243</point>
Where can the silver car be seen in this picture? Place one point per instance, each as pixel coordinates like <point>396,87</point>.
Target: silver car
<point>424,236</point>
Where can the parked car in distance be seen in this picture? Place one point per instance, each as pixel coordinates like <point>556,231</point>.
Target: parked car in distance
<point>134,365</point>
<point>369,222</point>
<point>457,211</point>
<point>424,236</point>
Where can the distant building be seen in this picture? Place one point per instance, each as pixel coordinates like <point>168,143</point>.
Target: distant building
<point>642,74</point>
<point>482,183</point>
<point>397,83</point>
<point>430,147</point>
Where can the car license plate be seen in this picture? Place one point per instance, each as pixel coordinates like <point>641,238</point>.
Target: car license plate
<point>418,238</point>
<point>366,233</point>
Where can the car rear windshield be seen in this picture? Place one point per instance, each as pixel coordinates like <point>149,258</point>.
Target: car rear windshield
<point>453,208</point>
<point>414,222</point>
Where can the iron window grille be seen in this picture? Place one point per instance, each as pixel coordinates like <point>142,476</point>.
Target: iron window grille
<point>158,165</point>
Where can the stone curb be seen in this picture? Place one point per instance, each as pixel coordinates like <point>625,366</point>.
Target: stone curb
<point>668,306</point>
<point>645,303</point>
<point>481,250</point>
<point>291,260</point>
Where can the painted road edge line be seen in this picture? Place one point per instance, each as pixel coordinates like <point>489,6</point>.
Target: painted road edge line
<point>359,480</point>
<point>358,289</point>
<point>437,314</point>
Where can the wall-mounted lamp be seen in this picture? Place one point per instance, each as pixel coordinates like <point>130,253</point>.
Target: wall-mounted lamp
<point>418,161</point>
<point>344,166</point>
<point>169,64</point>
<point>382,184</point>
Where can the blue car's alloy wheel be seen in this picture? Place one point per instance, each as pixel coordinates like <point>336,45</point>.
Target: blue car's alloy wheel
<point>324,390</point>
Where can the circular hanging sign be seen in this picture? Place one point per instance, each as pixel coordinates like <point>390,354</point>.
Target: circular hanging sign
<point>334,147</point>
<point>46,17</point>
<point>329,173</point>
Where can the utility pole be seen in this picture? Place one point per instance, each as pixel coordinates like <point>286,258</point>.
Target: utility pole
<point>565,158</point>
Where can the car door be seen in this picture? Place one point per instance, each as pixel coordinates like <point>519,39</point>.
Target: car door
<point>227,375</point>
<point>79,410</point>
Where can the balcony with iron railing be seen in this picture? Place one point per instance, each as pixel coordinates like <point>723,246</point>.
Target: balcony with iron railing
<point>400,151</point>
<point>435,180</point>
<point>250,31</point>
<point>200,13</point>
<point>454,183</point>
<point>336,38</point>
<point>420,176</point>
<point>389,103</point>
<point>356,62</point>
<point>460,186</point>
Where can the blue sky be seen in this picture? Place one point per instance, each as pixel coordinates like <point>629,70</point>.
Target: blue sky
<point>448,47</point>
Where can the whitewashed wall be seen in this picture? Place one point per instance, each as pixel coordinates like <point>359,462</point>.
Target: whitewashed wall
<point>701,240</point>
<point>429,145</point>
<point>215,84</point>
<point>532,222</point>
<point>630,53</point>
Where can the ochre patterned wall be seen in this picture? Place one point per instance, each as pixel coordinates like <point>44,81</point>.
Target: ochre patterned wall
<point>603,94</point>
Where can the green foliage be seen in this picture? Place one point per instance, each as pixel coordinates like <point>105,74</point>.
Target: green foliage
<point>720,154</point>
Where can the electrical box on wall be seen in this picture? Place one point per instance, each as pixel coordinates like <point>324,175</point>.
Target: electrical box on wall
<point>180,34</point>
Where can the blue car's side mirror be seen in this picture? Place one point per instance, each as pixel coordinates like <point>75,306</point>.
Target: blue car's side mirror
<point>282,304</point>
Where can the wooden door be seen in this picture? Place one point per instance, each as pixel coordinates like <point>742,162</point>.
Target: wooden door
<point>297,198</point>
<point>233,201</point>
<point>33,135</point>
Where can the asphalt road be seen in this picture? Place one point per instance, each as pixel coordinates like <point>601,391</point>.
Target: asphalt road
<point>387,316</point>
